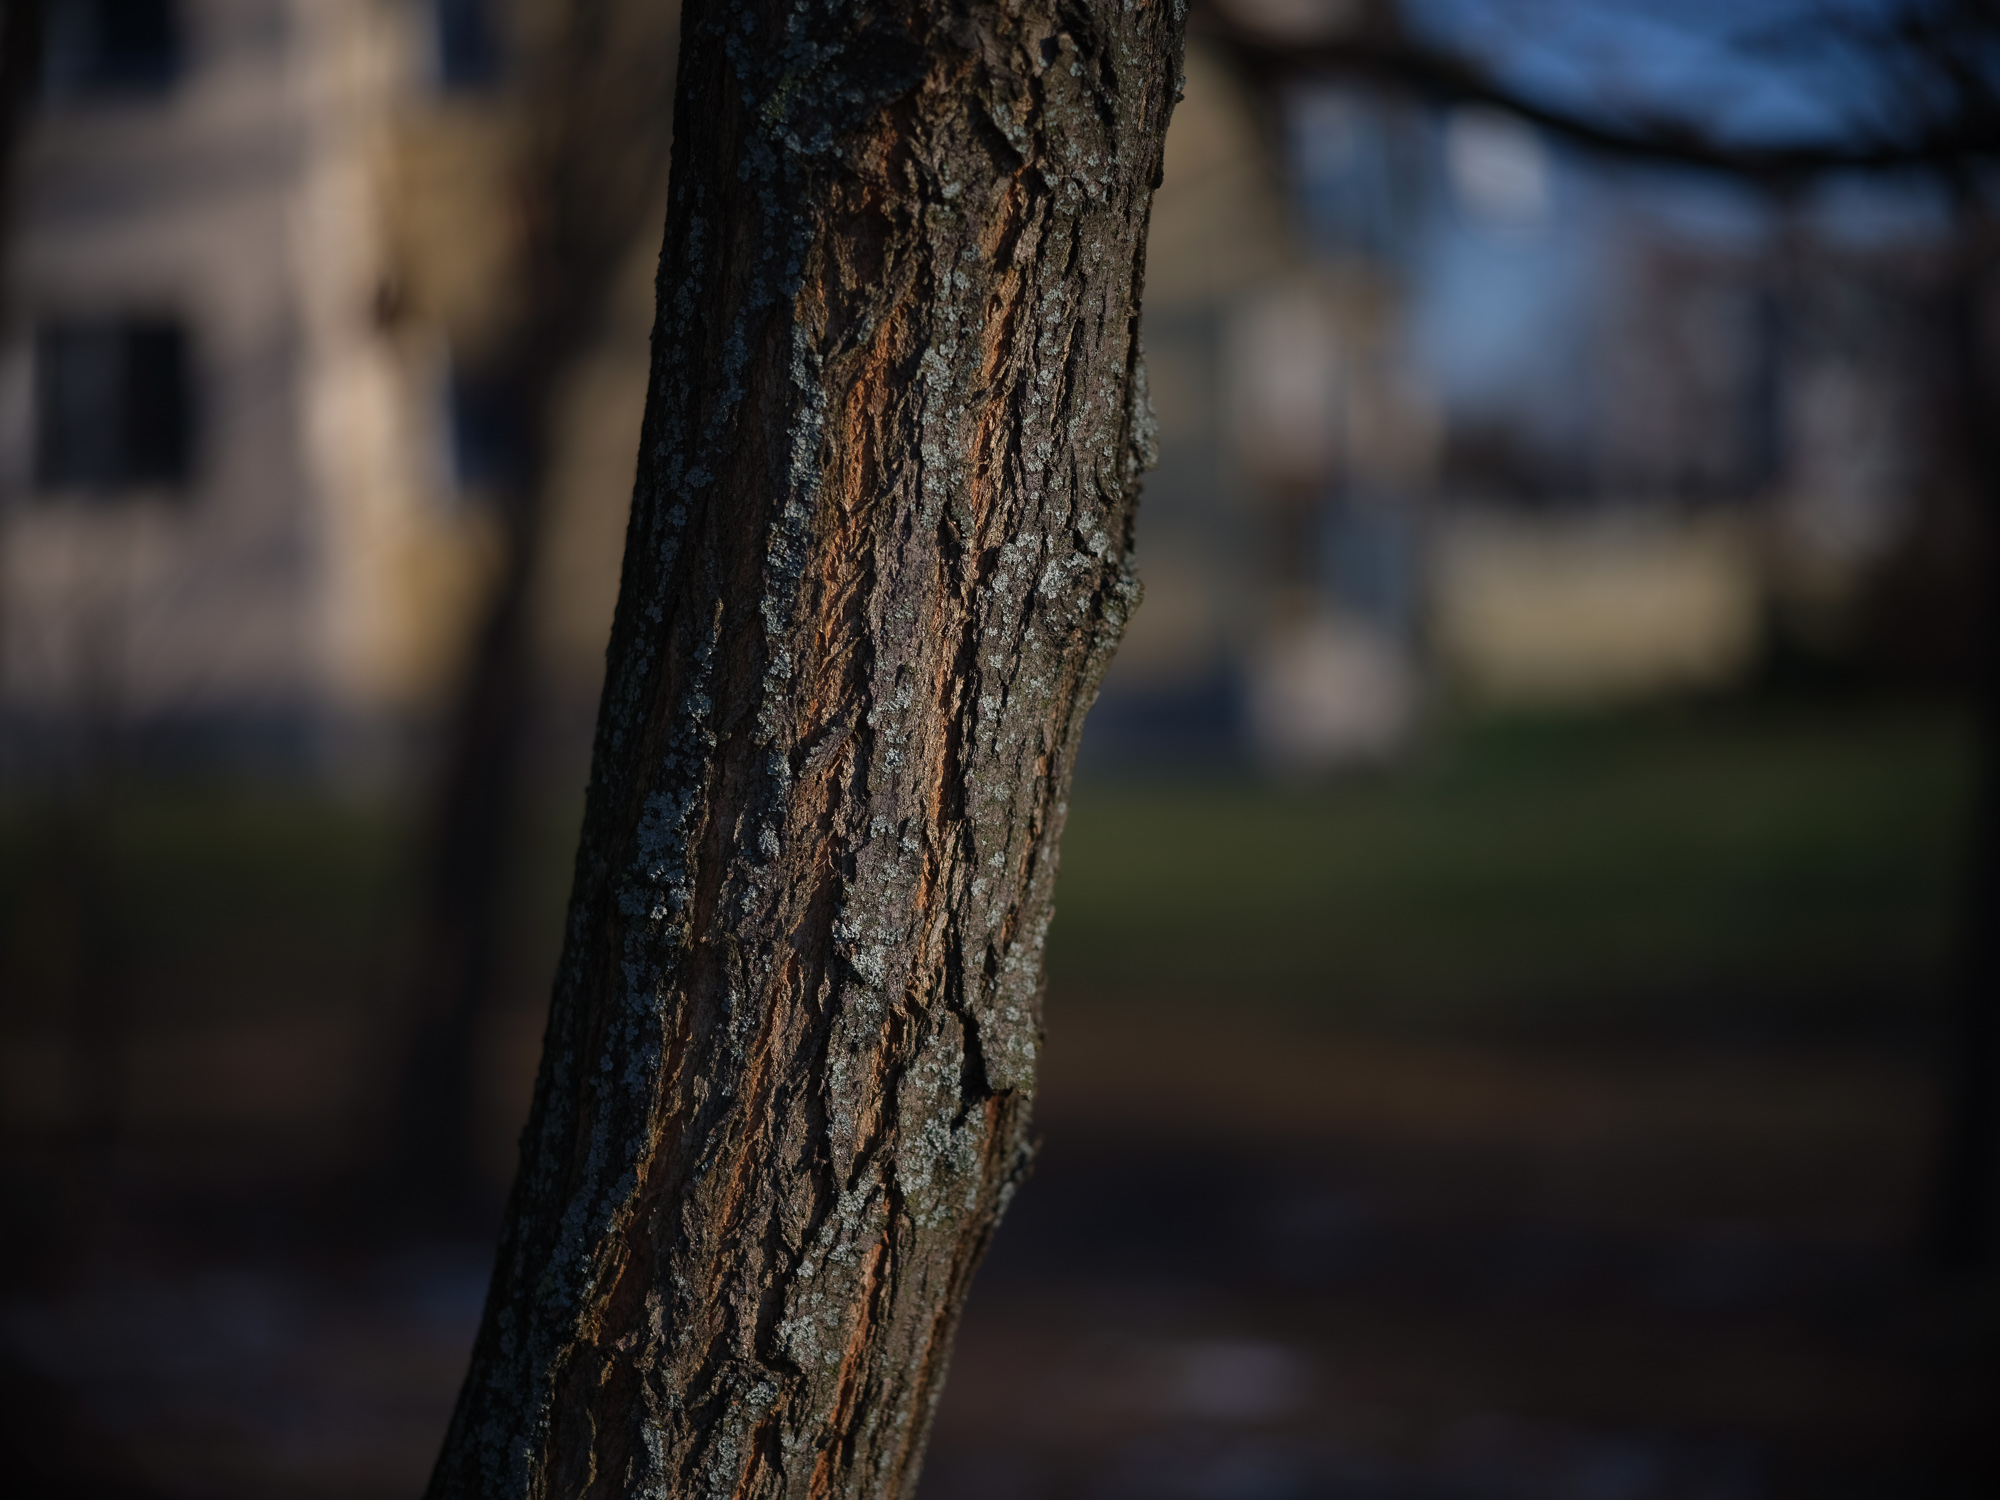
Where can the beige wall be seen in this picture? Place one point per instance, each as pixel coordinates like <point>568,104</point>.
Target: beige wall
<point>320,566</point>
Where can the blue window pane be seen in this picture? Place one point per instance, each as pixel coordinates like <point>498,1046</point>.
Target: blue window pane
<point>485,429</point>
<point>114,405</point>
<point>466,52</point>
<point>111,47</point>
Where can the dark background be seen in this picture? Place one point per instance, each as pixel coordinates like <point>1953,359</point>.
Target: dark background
<point>1468,1074</point>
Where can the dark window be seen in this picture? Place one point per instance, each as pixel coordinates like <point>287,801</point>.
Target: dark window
<point>467,57</point>
<point>112,46</point>
<point>485,428</point>
<point>113,407</point>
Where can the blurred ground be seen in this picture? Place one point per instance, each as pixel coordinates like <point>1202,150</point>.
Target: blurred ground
<point>1549,1116</point>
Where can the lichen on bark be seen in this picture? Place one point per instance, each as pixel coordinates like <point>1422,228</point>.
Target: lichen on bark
<point>877,561</point>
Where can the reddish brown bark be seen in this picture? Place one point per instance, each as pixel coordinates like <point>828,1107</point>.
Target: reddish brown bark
<point>876,565</point>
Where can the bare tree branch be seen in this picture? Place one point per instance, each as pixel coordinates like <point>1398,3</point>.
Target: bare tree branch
<point>1959,137</point>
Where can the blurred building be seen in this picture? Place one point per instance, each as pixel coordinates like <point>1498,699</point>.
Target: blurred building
<point>260,249</point>
<point>1607,604</point>
<point>267,260</point>
<point>1445,411</point>
<point>1278,540</point>
<point>1764,453</point>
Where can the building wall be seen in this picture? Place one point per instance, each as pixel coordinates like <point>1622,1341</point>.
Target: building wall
<point>311,578</point>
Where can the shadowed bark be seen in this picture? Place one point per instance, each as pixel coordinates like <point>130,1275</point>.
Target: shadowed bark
<point>876,565</point>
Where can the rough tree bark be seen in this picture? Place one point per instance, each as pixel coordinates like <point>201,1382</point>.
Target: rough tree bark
<point>876,565</point>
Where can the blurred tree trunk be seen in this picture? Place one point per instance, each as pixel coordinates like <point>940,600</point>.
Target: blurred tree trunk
<point>597,107</point>
<point>21,43</point>
<point>876,564</point>
<point>1967,1203</point>
<point>20,72</point>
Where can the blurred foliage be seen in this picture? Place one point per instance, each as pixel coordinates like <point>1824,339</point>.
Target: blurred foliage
<point>1725,868</point>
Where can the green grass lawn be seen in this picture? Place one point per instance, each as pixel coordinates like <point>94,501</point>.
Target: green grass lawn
<point>202,901</point>
<point>1758,864</point>
<point>1747,866</point>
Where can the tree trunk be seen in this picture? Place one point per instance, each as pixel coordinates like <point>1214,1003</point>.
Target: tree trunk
<point>876,565</point>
